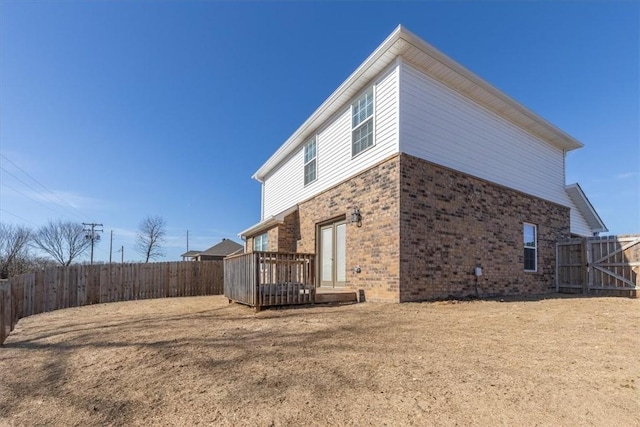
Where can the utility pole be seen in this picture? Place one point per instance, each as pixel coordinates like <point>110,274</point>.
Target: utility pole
<point>121,250</point>
<point>187,240</point>
<point>92,234</point>
<point>111,247</point>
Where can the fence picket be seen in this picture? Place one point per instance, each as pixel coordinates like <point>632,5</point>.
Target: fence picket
<point>60,287</point>
<point>605,265</point>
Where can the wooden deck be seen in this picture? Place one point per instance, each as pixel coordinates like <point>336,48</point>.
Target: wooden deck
<point>266,279</point>
<point>263,279</point>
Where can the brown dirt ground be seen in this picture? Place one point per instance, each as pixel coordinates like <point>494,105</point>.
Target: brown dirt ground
<point>188,361</point>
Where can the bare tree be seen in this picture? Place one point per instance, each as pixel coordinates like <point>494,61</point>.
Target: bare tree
<point>14,245</point>
<point>64,241</point>
<point>151,233</point>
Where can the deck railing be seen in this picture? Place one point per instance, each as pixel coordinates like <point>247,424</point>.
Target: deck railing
<point>262,279</point>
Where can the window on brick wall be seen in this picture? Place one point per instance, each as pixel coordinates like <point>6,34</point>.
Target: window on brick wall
<point>362,123</point>
<point>310,161</point>
<point>261,243</point>
<point>530,238</point>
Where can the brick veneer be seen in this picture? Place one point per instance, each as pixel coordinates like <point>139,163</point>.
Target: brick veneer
<point>289,233</point>
<point>450,222</point>
<point>424,229</point>
<point>374,247</point>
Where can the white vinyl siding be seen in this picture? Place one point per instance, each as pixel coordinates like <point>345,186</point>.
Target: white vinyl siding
<point>415,114</point>
<point>579,225</point>
<point>284,187</point>
<point>441,126</point>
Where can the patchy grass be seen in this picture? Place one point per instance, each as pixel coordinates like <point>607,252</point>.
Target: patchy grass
<point>555,361</point>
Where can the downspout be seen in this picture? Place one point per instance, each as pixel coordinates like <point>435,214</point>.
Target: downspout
<point>564,167</point>
<point>262,201</point>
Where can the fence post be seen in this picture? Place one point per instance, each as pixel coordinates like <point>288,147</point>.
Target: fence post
<point>3,314</point>
<point>586,261</point>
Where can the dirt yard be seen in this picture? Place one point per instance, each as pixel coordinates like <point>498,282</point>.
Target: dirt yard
<point>189,361</point>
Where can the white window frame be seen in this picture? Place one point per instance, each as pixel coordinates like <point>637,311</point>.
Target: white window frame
<point>526,246</point>
<point>369,120</point>
<point>261,242</point>
<point>314,161</point>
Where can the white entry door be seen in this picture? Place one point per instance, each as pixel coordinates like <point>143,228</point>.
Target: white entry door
<point>333,255</point>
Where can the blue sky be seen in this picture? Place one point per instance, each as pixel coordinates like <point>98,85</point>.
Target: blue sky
<point>127,109</point>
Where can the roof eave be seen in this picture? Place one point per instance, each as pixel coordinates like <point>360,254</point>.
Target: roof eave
<point>559,138</point>
<point>539,127</point>
<point>267,223</point>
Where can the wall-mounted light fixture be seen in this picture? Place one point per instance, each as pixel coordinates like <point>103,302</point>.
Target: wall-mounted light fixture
<point>356,218</point>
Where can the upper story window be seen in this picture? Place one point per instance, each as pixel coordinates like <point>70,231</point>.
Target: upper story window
<point>310,161</point>
<point>530,247</point>
<point>362,122</point>
<point>261,243</point>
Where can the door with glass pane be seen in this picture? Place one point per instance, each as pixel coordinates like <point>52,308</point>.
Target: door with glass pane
<point>333,256</point>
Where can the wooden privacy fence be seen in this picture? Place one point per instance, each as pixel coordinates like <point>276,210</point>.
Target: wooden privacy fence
<point>62,287</point>
<point>262,279</point>
<point>608,265</point>
<point>8,318</point>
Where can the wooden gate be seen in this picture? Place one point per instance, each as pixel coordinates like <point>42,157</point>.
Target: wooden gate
<point>607,265</point>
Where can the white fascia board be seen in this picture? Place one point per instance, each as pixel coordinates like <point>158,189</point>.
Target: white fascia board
<point>262,225</point>
<point>586,208</point>
<point>267,223</point>
<point>461,79</point>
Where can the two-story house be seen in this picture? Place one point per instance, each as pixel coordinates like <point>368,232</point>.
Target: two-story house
<point>414,172</point>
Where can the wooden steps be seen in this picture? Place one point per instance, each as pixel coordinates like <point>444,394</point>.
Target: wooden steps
<point>336,297</point>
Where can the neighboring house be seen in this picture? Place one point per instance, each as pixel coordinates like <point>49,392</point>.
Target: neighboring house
<point>189,255</point>
<point>413,173</point>
<point>225,248</point>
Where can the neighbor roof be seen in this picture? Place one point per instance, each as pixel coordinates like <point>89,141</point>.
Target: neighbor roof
<point>224,248</point>
<point>190,254</point>
<point>419,53</point>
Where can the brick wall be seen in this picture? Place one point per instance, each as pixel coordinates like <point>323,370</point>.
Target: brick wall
<point>374,247</point>
<point>450,222</point>
<point>289,233</point>
<point>424,229</point>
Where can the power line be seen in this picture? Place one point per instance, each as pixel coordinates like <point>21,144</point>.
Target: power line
<point>41,185</point>
<point>4,184</point>
<point>19,217</point>
<point>41,194</point>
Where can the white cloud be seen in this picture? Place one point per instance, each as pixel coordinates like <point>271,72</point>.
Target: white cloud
<point>625,175</point>
<point>124,233</point>
<point>68,199</point>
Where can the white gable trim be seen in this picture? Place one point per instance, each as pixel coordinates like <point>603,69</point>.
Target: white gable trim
<point>585,208</point>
